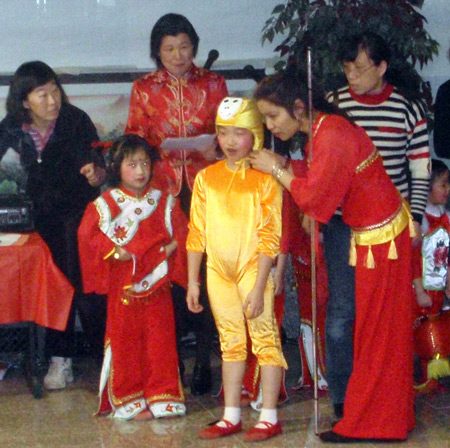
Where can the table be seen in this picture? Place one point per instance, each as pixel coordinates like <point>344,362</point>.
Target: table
<point>33,290</point>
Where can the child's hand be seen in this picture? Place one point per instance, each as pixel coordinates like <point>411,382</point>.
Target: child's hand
<point>192,298</point>
<point>423,299</point>
<point>447,291</point>
<point>278,281</point>
<point>170,248</point>
<point>254,304</point>
<point>418,238</point>
<point>121,254</point>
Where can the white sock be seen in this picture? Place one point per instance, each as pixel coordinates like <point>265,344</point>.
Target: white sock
<point>269,416</point>
<point>233,415</point>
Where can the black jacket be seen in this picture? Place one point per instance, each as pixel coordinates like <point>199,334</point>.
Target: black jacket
<point>59,192</point>
<point>55,185</point>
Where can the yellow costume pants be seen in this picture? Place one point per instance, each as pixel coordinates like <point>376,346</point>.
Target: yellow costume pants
<point>227,297</point>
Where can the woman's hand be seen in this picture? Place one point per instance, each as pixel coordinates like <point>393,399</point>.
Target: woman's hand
<point>306,223</point>
<point>94,174</point>
<point>193,298</point>
<point>264,160</point>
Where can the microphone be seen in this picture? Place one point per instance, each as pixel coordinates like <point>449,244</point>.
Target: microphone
<point>213,55</point>
<point>251,73</point>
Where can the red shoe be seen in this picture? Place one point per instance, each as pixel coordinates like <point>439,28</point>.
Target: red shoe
<point>214,431</point>
<point>257,434</point>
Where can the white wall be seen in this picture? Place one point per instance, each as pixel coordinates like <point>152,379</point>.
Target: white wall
<point>99,34</point>
<point>115,33</point>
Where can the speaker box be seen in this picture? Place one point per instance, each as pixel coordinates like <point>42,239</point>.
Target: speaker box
<point>16,213</point>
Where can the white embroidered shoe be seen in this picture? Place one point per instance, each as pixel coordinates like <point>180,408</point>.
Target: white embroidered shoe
<point>59,373</point>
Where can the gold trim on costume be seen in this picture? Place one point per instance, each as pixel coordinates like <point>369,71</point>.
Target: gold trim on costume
<point>319,123</point>
<point>366,163</point>
<point>378,225</point>
<point>380,233</point>
<point>316,129</point>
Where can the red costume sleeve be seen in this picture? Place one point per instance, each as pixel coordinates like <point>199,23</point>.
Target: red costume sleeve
<point>335,153</point>
<point>416,261</point>
<point>178,260</point>
<point>94,245</point>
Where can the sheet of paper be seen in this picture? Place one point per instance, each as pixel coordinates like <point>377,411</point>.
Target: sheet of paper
<point>188,144</point>
<point>8,239</point>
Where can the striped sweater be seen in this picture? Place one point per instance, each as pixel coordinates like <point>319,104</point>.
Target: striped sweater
<point>398,128</point>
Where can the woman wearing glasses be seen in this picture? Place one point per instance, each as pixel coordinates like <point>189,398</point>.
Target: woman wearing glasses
<point>396,123</point>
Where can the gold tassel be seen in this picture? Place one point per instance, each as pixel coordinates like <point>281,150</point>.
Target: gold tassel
<point>109,254</point>
<point>412,230</point>
<point>370,263</point>
<point>352,255</point>
<point>438,367</point>
<point>392,255</point>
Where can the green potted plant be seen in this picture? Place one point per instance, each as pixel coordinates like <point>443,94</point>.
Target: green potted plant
<point>323,24</point>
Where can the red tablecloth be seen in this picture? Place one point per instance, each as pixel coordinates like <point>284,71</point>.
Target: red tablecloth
<point>32,288</point>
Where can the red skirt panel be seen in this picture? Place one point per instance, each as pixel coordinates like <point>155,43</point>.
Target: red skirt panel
<point>144,356</point>
<point>379,400</point>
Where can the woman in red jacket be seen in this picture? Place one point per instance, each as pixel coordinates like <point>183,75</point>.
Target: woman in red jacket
<point>179,100</point>
<point>345,170</point>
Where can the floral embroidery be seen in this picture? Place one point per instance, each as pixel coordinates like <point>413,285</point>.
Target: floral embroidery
<point>440,256</point>
<point>120,233</point>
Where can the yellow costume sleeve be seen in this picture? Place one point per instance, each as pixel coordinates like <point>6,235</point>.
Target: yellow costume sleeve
<point>269,229</point>
<point>196,241</point>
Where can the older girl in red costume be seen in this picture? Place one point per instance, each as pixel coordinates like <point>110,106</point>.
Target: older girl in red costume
<point>346,170</point>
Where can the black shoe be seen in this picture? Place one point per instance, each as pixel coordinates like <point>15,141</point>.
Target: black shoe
<point>201,381</point>
<point>338,410</point>
<point>334,437</point>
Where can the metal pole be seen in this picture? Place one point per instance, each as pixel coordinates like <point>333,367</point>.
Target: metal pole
<point>313,252</point>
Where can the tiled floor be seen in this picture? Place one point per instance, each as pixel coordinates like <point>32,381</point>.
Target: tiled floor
<point>64,419</point>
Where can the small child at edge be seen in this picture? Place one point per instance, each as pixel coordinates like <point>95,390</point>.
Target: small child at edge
<point>431,284</point>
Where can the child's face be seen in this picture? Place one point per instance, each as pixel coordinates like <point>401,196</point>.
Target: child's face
<point>135,171</point>
<point>236,143</point>
<point>440,189</point>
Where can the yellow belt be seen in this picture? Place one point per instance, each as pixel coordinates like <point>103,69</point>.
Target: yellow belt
<point>381,233</point>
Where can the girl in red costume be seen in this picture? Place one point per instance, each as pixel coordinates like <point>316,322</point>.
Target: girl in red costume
<point>431,283</point>
<point>345,170</point>
<point>297,241</point>
<point>132,241</point>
